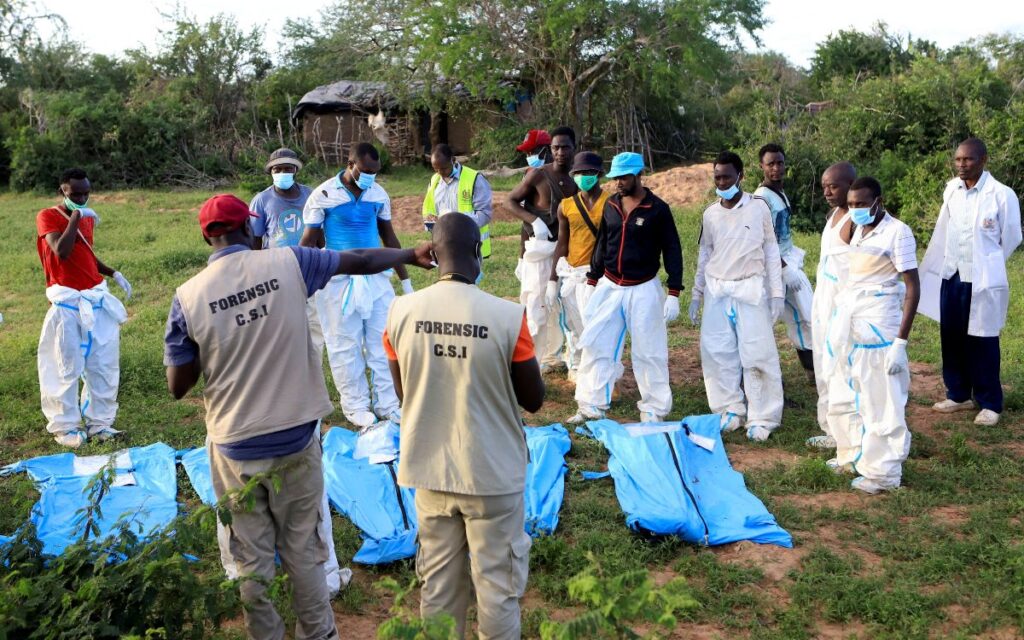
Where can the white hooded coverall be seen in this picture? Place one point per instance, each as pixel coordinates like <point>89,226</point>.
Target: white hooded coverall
<point>798,314</point>
<point>546,325</point>
<point>80,339</point>
<point>353,309</point>
<point>737,266</point>
<point>574,294</point>
<point>833,269</point>
<point>611,311</point>
<point>867,417</point>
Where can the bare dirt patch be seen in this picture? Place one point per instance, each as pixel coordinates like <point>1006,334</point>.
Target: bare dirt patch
<point>843,631</point>
<point>950,515</point>
<point>774,561</point>
<point>407,211</point>
<point>362,625</point>
<point>684,367</point>
<point>926,388</point>
<point>831,500</point>
<point>683,186</point>
<point>746,458</point>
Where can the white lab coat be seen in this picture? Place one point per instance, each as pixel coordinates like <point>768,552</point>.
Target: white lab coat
<point>997,234</point>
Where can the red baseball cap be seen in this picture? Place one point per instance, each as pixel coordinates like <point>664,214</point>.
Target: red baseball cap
<point>223,209</point>
<point>534,138</point>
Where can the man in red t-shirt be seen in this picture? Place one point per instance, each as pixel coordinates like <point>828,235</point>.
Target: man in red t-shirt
<point>81,331</point>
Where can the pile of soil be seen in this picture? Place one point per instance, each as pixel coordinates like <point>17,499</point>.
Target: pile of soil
<point>679,187</point>
<point>683,186</point>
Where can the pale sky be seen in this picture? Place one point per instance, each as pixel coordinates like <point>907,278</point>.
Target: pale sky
<point>111,26</point>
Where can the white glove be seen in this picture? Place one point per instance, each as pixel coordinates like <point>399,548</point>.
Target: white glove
<point>791,278</point>
<point>123,283</point>
<point>777,305</point>
<point>671,308</point>
<point>86,212</point>
<point>896,357</point>
<point>540,230</point>
<point>551,294</point>
<point>695,311</point>
<point>407,286</point>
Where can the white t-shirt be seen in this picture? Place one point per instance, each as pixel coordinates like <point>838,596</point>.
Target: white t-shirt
<point>878,257</point>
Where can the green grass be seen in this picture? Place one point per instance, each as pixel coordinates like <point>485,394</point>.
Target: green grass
<point>942,557</point>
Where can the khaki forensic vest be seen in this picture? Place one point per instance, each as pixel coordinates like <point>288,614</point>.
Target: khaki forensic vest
<point>581,239</point>
<point>247,313</point>
<point>461,427</point>
<point>467,182</point>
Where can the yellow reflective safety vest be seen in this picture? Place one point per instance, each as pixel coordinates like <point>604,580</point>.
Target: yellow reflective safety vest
<point>467,180</point>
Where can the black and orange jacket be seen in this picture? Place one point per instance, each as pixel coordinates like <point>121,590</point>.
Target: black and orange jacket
<point>631,247</point>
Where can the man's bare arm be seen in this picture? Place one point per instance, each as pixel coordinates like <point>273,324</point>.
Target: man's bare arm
<point>63,243</point>
<point>562,244</point>
<point>913,282</point>
<point>396,378</point>
<point>523,191</point>
<point>182,378</point>
<point>367,261</point>
<point>312,237</point>
<point>390,239</point>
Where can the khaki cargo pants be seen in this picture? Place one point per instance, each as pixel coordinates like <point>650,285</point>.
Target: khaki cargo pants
<point>469,542</point>
<point>285,521</point>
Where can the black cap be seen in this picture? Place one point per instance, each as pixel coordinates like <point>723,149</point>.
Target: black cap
<point>587,161</point>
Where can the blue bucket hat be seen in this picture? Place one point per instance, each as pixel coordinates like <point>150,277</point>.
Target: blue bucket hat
<point>626,164</point>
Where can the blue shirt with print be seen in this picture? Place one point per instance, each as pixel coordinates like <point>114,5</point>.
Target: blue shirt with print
<point>279,219</point>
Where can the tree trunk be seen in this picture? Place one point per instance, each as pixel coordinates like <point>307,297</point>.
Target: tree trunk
<point>436,120</point>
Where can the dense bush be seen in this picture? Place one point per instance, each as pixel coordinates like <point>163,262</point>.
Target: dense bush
<point>901,128</point>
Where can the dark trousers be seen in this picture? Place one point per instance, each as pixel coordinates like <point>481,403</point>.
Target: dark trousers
<point>970,365</point>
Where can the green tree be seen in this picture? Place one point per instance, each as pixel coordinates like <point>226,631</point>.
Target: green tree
<point>855,53</point>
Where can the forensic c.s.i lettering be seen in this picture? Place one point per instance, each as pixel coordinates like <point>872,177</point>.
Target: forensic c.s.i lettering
<point>245,295</point>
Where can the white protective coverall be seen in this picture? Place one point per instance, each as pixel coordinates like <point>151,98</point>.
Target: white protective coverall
<point>798,312</point>
<point>353,313</point>
<point>574,295</point>
<point>611,311</point>
<point>80,338</point>
<point>866,410</point>
<point>737,269</point>
<point>545,325</point>
<point>353,309</point>
<point>833,269</point>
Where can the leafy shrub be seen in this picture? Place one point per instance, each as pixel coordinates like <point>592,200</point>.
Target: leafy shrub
<point>121,585</point>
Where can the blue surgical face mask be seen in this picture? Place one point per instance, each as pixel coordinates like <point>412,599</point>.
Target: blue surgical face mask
<point>366,180</point>
<point>862,216</point>
<point>729,193</point>
<point>534,161</point>
<point>284,180</point>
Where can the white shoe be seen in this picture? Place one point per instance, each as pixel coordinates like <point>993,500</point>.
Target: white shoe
<point>987,418</point>
<point>361,419</point>
<point>102,434</point>
<point>869,486</point>
<point>580,417</point>
<point>393,416</point>
<point>647,416</point>
<point>571,376</point>
<point>952,406</point>
<point>73,439</point>
<point>757,433</point>
<point>821,442</point>
<point>731,422</point>
<point>833,464</point>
